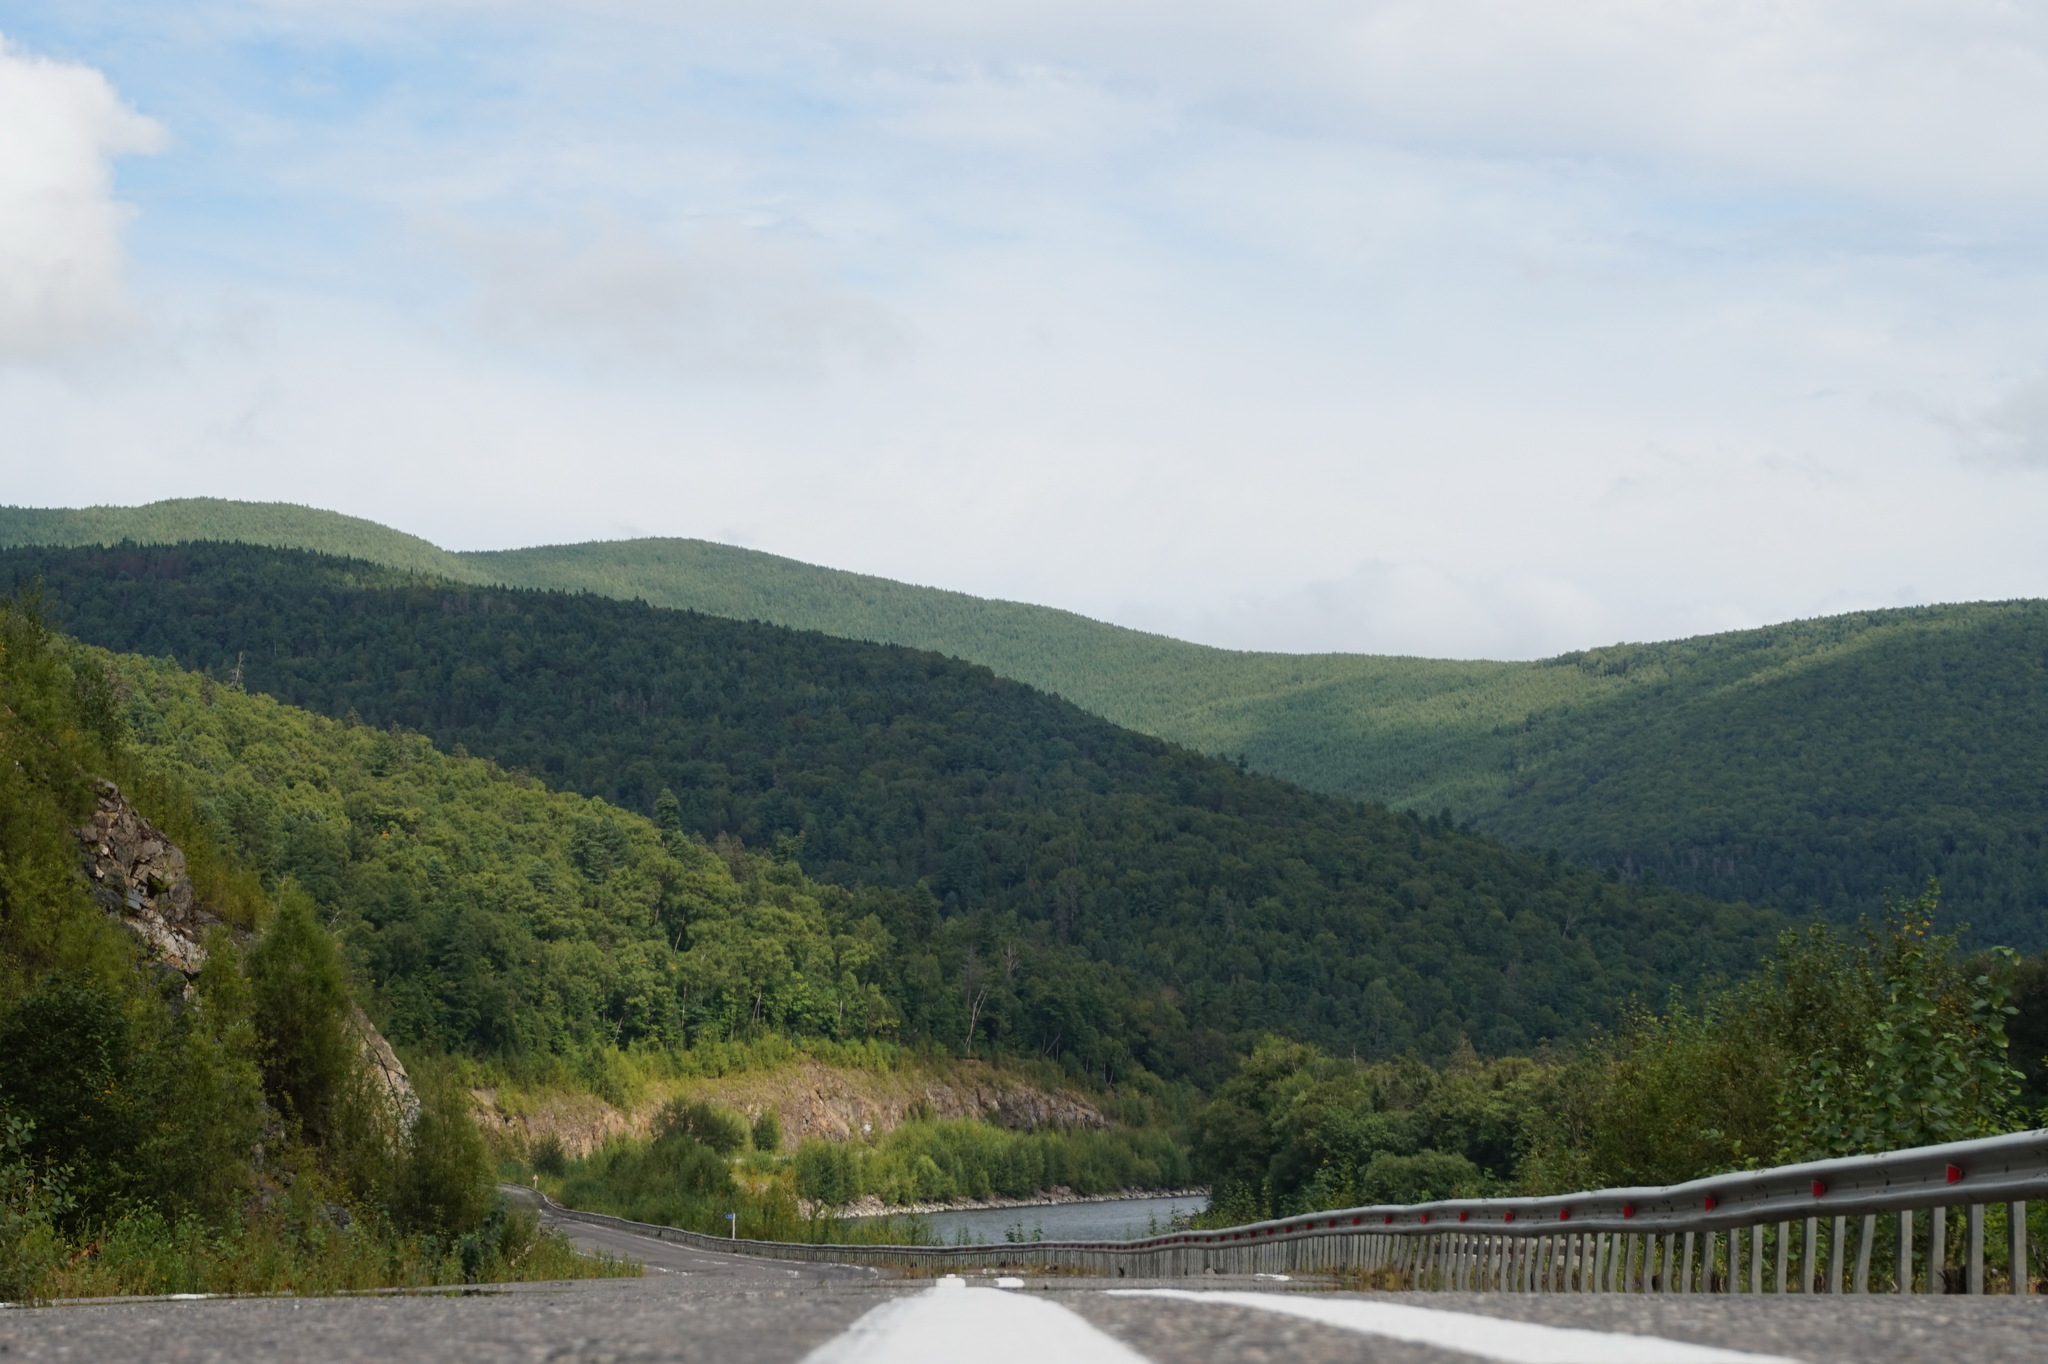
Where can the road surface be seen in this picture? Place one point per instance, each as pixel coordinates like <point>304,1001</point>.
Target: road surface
<point>700,1306</point>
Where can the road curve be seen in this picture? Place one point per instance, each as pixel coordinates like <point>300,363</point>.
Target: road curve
<point>696,1305</point>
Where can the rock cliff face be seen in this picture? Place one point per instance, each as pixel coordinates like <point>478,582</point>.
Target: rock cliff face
<point>810,1098</point>
<point>139,877</point>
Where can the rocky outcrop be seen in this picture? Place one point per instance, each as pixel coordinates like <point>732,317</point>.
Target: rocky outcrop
<point>140,878</point>
<point>810,1098</point>
<point>386,1071</point>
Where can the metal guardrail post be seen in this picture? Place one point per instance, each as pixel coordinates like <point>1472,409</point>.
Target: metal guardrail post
<point>2020,1271</point>
<point>1863,1246</point>
<point>1937,1251</point>
<point>1975,1282</point>
<point>1838,1251</point>
<point>1905,1284</point>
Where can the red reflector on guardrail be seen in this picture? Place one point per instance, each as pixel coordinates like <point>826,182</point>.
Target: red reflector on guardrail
<point>1955,1174</point>
<point>1628,1210</point>
<point>1564,1214</point>
<point>1464,1216</point>
<point>1710,1202</point>
<point>1508,1216</point>
<point>1820,1188</point>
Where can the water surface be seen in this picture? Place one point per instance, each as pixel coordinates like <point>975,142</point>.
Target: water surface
<point>1122,1219</point>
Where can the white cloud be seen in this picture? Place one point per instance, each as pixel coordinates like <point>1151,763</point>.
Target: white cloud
<point>2015,428</point>
<point>717,300</point>
<point>1468,326</point>
<point>1904,99</point>
<point>61,254</point>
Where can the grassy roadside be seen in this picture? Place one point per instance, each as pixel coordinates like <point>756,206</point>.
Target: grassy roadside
<point>301,1247</point>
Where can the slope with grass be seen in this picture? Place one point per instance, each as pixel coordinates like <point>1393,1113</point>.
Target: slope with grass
<point>1050,883</point>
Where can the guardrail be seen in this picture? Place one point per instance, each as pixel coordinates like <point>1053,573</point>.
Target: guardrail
<point>1684,1238</point>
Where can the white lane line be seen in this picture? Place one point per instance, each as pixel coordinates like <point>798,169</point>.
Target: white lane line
<point>953,1322</point>
<point>1518,1342</point>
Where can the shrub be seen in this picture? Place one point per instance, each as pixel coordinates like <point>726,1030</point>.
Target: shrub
<point>444,1173</point>
<point>825,1174</point>
<point>721,1129</point>
<point>301,998</point>
<point>548,1157</point>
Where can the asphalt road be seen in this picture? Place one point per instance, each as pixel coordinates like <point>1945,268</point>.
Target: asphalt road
<point>699,1306</point>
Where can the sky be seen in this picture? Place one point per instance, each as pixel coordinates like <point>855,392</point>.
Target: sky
<point>1475,328</point>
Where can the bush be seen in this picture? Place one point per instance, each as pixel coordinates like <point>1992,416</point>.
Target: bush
<point>69,1078</point>
<point>825,1174</point>
<point>1423,1177</point>
<point>768,1131</point>
<point>674,1180</point>
<point>444,1173</point>
<point>721,1129</point>
<point>923,1162</point>
<point>548,1157</point>
<point>301,998</point>
<point>30,1200</point>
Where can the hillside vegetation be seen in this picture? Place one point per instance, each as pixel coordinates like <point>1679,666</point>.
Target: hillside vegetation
<point>1006,870</point>
<point>1816,764</point>
<point>201,1119</point>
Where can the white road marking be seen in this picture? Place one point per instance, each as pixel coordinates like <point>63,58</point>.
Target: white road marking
<point>954,1322</point>
<point>1517,1342</point>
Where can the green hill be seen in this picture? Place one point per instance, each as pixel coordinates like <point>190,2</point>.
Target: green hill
<point>1053,883</point>
<point>1411,732</point>
<point>1815,764</point>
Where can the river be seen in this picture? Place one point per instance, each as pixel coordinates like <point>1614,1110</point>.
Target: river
<point>1119,1219</point>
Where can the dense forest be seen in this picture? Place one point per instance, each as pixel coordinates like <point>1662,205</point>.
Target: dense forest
<point>1877,1038</point>
<point>1810,765</point>
<point>488,916</point>
<point>204,1118</point>
<point>1815,765</point>
<point>1056,885</point>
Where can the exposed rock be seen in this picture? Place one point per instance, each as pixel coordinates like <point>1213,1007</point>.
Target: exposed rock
<point>385,1069</point>
<point>811,1099</point>
<point>139,877</point>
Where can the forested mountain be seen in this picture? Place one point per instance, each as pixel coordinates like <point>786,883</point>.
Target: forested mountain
<point>1054,884</point>
<point>1821,763</point>
<point>1812,765</point>
<point>1412,733</point>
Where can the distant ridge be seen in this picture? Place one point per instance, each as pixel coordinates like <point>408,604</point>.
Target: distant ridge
<point>1415,733</point>
<point>1817,763</point>
<point>280,525</point>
